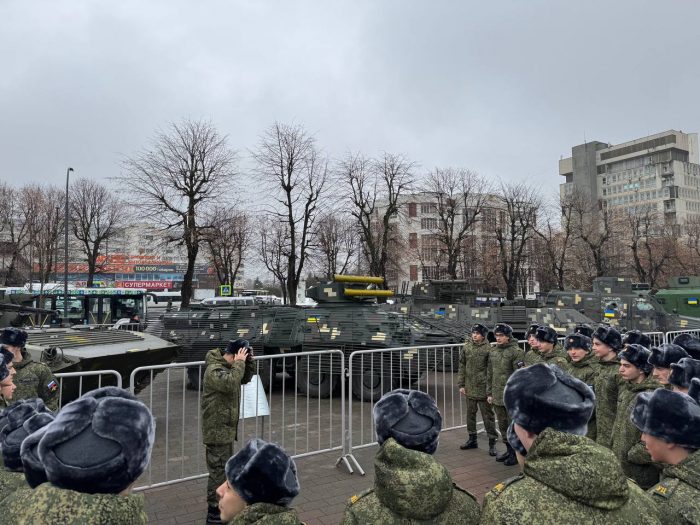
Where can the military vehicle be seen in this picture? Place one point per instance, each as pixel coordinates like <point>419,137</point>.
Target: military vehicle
<point>620,302</point>
<point>346,318</point>
<point>682,297</point>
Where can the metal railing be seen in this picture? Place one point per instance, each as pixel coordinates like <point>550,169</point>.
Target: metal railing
<point>670,336</point>
<point>72,385</point>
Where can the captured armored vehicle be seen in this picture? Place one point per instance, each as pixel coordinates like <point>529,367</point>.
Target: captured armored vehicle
<point>682,297</point>
<point>346,318</point>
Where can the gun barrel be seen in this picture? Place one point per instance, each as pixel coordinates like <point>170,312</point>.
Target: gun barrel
<point>369,279</point>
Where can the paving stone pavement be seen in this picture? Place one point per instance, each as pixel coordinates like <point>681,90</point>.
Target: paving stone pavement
<point>325,488</point>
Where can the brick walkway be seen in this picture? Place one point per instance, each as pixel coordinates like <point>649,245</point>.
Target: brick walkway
<point>325,488</point>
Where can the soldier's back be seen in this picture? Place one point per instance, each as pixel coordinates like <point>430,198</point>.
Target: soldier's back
<point>677,495</point>
<point>10,482</point>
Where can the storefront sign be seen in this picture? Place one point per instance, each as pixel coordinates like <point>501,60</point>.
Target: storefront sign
<point>158,285</point>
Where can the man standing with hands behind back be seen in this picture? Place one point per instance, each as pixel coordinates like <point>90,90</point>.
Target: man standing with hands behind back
<point>226,371</point>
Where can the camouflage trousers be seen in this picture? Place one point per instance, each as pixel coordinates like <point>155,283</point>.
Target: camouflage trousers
<point>487,416</point>
<point>503,421</point>
<point>217,456</point>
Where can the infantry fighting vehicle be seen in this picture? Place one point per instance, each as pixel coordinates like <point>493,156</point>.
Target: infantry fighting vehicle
<point>346,318</point>
<point>681,297</point>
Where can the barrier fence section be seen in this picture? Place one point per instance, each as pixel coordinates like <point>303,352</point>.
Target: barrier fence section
<point>670,336</point>
<point>72,385</point>
<point>304,426</point>
<point>657,338</point>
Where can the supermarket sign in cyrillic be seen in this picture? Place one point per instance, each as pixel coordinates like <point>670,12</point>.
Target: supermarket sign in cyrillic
<point>158,285</point>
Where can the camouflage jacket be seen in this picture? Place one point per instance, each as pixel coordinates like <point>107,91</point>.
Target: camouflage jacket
<point>10,481</point>
<point>606,386</point>
<point>410,487</point>
<point>51,505</point>
<point>556,357</point>
<point>677,496</point>
<point>586,370</point>
<point>266,514</point>
<point>503,361</point>
<point>626,445</point>
<point>473,365</point>
<point>568,479</point>
<point>35,380</point>
<point>221,396</point>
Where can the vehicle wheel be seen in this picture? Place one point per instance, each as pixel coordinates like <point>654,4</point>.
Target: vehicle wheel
<point>370,383</point>
<point>312,384</point>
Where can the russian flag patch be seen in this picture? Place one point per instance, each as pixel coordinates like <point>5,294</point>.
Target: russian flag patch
<point>52,386</point>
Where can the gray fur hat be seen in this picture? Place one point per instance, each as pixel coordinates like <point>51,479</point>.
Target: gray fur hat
<point>635,337</point>
<point>671,416</point>
<point>688,343</point>
<point>577,341</point>
<point>609,336</point>
<point>638,356</point>
<point>4,370</point>
<point>546,334</point>
<point>98,443</point>
<point>14,431</point>
<point>7,354</point>
<point>503,328</point>
<point>32,465</point>
<point>532,330</point>
<point>684,371</point>
<point>263,472</point>
<point>584,329</point>
<point>411,417</point>
<point>542,396</point>
<point>481,329</point>
<point>13,336</point>
<point>663,355</point>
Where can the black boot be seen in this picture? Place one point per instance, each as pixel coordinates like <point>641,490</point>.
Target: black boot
<point>511,459</point>
<point>492,447</point>
<point>502,457</point>
<point>213,516</point>
<point>470,443</point>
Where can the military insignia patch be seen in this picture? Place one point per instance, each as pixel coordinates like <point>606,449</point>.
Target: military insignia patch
<point>52,386</point>
<point>354,499</point>
<point>662,491</point>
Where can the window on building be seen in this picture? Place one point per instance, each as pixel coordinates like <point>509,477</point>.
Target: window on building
<point>429,223</point>
<point>428,207</point>
<point>413,241</point>
<point>412,209</point>
<point>413,272</point>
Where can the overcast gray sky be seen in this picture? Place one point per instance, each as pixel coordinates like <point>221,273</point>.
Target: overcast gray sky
<point>504,88</point>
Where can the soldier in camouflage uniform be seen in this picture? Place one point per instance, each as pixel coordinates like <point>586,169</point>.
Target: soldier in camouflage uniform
<point>261,482</point>
<point>409,485</point>
<point>7,386</point>
<point>225,373</point>
<point>533,351</point>
<point>504,359</point>
<point>662,357</point>
<point>549,349</point>
<point>670,427</point>
<point>32,379</point>
<point>626,437</point>
<point>473,365</point>
<point>682,372</point>
<point>583,367</point>
<point>566,477</point>
<point>606,343</point>
<point>92,453</point>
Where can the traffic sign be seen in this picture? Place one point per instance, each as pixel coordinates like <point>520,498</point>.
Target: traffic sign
<point>225,290</point>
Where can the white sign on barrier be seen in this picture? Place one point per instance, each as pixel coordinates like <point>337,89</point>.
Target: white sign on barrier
<point>253,401</point>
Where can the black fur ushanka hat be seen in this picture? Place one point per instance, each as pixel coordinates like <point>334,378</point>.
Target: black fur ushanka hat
<point>480,329</point>
<point>683,372</point>
<point>635,337</point>
<point>688,343</point>
<point>671,416</point>
<point>21,422</point>
<point>546,334</point>
<point>577,341</point>
<point>638,356</point>
<point>13,336</point>
<point>664,355</point>
<point>503,328</point>
<point>33,467</point>
<point>584,329</point>
<point>609,336</point>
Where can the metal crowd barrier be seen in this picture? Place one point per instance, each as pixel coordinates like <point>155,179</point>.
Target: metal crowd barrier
<point>72,385</point>
<point>670,336</point>
<point>304,425</point>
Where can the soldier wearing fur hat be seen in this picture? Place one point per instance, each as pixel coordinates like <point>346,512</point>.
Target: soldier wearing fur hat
<point>261,482</point>
<point>505,358</point>
<point>682,373</point>
<point>92,453</point>
<point>226,371</point>
<point>626,438</point>
<point>473,366</point>
<point>688,343</point>
<point>532,341</point>
<point>566,478</point>
<point>584,329</point>
<point>661,358</point>
<point>583,367</point>
<point>636,337</point>
<point>549,349</point>
<point>670,427</point>
<point>606,343</point>
<point>409,485</point>
<point>33,379</point>
<point>7,385</point>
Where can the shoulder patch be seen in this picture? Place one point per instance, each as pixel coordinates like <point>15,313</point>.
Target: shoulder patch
<point>359,496</point>
<point>664,489</point>
<point>503,485</point>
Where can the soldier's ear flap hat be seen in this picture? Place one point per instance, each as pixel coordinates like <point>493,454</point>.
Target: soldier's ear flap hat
<point>688,343</point>
<point>411,417</point>
<point>578,341</point>
<point>4,370</point>
<point>546,334</point>
<point>503,328</point>
<point>6,354</point>
<point>683,372</point>
<point>638,356</point>
<point>14,431</point>
<point>584,329</point>
<point>635,337</point>
<point>663,355</point>
<point>481,329</point>
<point>694,390</point>
<point>98,443</point>
<point>13,336</point>
<point>671,416</point>
<point>609,336</point>
<point>542,396</point>
<point>32,465</point>
<point>532,330</point>
<point>234,345</point>
<point>263,472</point>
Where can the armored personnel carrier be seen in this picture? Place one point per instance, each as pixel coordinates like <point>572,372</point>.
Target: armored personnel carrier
<point>346,318</point>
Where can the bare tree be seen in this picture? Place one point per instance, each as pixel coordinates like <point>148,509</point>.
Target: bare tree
<point>651,242</point>
<point>174,181</point>
<point>96,217</point>
<point>459,195</point>
<point>274,247</point>
<point>374,189</point>
<point>556,234</point>
<point>337,243</point>
<point>518,205</point>
<point>16,215</point>
<point>228,240</point>
<point>287,159</point>
<point>595,228</point>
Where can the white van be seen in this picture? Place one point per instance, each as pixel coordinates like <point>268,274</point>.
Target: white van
<point>228,301</point>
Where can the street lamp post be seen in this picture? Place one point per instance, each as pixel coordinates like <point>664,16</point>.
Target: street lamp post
<point>65,257</point>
